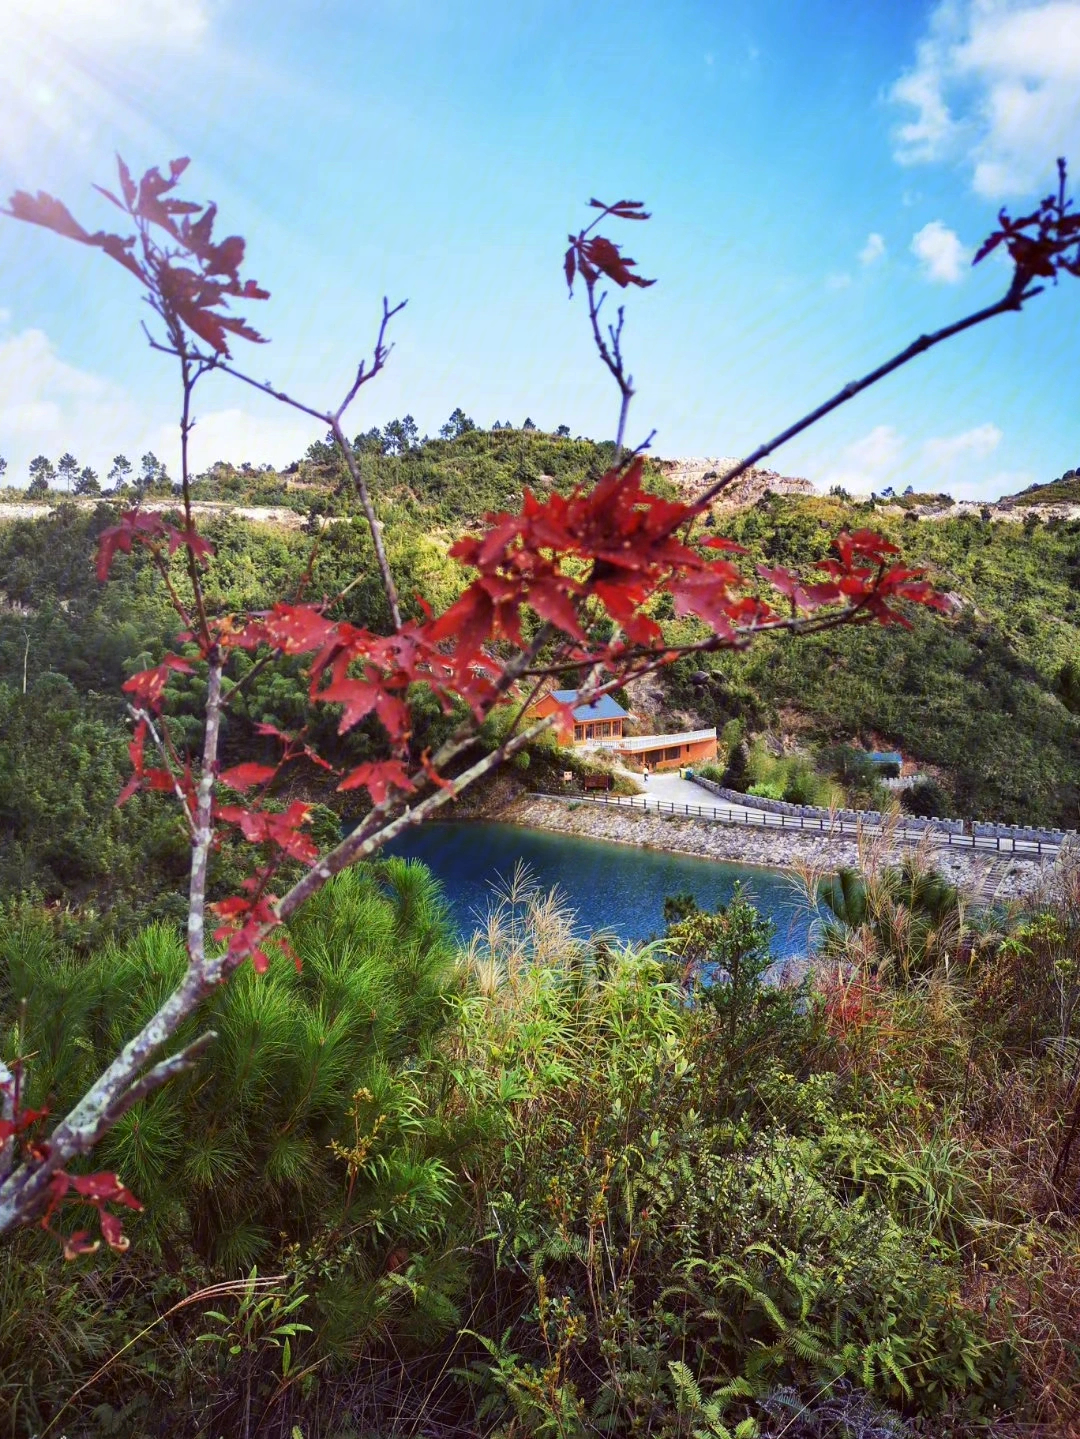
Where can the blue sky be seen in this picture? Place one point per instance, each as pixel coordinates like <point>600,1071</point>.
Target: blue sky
<point>818,175</point>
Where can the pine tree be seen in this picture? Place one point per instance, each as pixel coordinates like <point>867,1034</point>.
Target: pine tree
<point>42,473</point>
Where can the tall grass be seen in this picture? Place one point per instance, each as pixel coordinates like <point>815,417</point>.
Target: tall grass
<point>534,1187</point>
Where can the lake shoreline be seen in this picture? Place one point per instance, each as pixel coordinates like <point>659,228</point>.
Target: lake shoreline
<point>615,889</point>
<point>790,852</point>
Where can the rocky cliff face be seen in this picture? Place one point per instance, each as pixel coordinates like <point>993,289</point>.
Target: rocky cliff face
<point>694,475</point>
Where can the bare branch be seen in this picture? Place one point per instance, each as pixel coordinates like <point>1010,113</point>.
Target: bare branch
<point>374,524</point>
<point>612,358</point>
<point>189,381</point>
<point>80,1129</point>
<point>141,716</point>
<point>203,836</point>
<point>155,1077</point>
<point>76,1134</point>
<point>7,1112</point>
<point>1010,302</point>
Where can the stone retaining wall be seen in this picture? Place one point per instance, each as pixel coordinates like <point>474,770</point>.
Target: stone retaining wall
<point>777,849</point>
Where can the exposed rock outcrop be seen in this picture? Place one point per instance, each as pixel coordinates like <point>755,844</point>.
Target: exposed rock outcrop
<point>692,476</point>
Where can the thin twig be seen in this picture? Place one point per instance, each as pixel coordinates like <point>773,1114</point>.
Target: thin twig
<point>364,375</point>
<point>1012,301</point>
<point>141,716</point>
<point>156,1076</point>
<point>374,524</point>
<point>189,381</point>
<point>7,1113</point>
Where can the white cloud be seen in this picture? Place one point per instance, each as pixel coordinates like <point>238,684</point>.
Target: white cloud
<point>48,405</point>
<point>237,435</point>
<point>967,465</point>
<point>996,83</point>
<point>944,258</point>
<point>869,463</point>
<point>949,450</point>
<point>873,250</point>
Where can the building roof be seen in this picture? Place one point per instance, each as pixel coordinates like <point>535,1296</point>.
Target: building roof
<point>885,756</point>
<point>605,708</point>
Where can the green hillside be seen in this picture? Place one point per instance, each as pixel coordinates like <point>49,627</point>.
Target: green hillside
<point>989,698</point>
<point>1063,491</point>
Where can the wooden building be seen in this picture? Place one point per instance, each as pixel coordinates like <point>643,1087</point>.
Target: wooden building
<point>604,724</point>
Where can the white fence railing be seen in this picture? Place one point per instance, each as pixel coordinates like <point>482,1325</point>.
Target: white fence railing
<point>829,827</point>
<point>638,742</point>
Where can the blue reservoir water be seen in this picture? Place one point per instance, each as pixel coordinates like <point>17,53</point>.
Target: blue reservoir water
<point>612,887</point>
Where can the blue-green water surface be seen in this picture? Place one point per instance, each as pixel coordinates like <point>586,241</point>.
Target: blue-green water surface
<point>612,887</point>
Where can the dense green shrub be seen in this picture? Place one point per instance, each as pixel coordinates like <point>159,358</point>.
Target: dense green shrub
<point>679,1214</point>
<point>929,799</point>
<point>249,1146</point>
<point>550,1187</point>
<point>792,778</point>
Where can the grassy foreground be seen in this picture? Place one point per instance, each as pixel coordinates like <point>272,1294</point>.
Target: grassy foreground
<point>551,1188</point>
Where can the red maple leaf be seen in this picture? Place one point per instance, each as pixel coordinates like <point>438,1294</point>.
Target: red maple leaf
<point>378,778</point>
<point>280,829</point>
<point>148,686</point>
<point>245,776</point>
<point>602,254</point>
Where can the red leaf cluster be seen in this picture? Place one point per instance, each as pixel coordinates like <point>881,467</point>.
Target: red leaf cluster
<point>246,920</point>
<point>863,577</point>
<point>147,687</point>
<point>23,1121</point>
<point>378,779</point>
<point>1040,244</point>
<point>591,256</point>
<point>151,777</point>
<point>189,277</point>
<point>615,541</point>
<point>282,830</point>
<point>97,1190</point>
<point>149,529</point>
<point>368,675</point>
<point>247,776</point>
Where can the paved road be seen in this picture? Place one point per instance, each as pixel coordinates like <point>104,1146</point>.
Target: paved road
<point>668,788</point>
<point>667,792</point>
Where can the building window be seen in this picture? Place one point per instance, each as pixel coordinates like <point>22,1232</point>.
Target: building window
<point>673,752</point>
<point>579,733</point>
<point>605,728</point>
